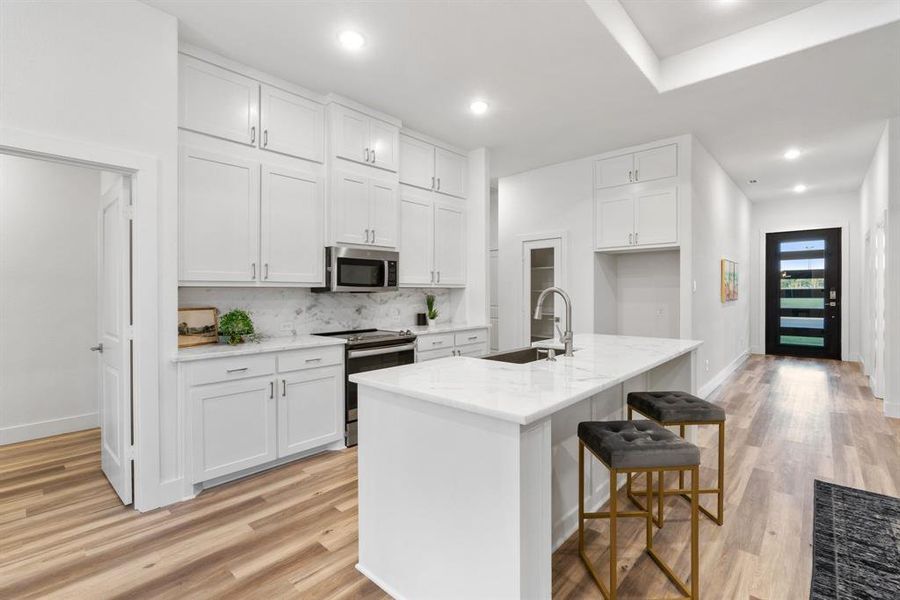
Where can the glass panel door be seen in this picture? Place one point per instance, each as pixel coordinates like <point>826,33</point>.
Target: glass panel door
<point>803,291</point>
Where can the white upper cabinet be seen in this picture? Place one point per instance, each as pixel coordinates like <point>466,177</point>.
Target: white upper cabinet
<point>416,163</point>
<point>364,210</point>
<point>292,218</point>
<point>364,139</point>
<point>416,237</point>
<point>450,173</point>
<point>656,217</point>
<point>449,243</point>
<point>291,124</point>
<point>217,102</point>
<point>432,168</point>
<point>636,216</point>
<point>383,213</point>
<point>615,220</point>
<point>656,163</point>
<point>350,208</point>
<point>218,217</point>
<point>646,165</point>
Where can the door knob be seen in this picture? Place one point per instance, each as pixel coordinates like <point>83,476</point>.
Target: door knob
<point>97,348</point>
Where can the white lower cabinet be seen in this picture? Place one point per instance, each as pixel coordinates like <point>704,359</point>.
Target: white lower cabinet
<point>244,413</point>
<point>233,426</point>
<point>310,409</point>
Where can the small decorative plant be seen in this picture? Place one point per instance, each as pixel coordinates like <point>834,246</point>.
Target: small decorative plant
<point>235,325</point>
<point>431,312</point>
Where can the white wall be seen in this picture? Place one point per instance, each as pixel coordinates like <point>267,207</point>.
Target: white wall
<point>106,73</point>
<point>795,214</point>
<point>892,301</point>
<point>648,289</point>
<point>720,225</point>
<point>48,298</point>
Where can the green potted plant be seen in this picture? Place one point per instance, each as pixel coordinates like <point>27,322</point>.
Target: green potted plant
<point>235,325</point>
<point>431,312</point>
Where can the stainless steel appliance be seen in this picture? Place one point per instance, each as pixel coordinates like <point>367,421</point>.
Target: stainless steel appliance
<point>369,350</point>
<point>359,270</point>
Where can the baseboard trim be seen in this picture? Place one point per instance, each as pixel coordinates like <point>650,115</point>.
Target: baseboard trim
<point>379,582</point>
<point>41,429</point>
<point>721,376</point>
<point>892,410</point>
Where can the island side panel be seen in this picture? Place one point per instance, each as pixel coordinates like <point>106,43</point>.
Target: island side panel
<point>440,493</point>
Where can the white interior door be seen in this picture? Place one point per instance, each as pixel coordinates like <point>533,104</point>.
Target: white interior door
<point>114,337</point>
<point>543,267</point>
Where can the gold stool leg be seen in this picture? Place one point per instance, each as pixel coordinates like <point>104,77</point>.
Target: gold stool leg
<point>695,538</point>
<point>661,493</point>
<point>721,490</point>
<point>628,475</point>
<point>613,500</point>
<point>649,510</point>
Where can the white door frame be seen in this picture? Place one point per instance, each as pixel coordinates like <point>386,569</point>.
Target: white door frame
<point>846,266</point>
<point>524,329</point>
<point>142,169</point>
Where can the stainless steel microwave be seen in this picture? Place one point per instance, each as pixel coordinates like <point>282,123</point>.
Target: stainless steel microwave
<point>359,270</point>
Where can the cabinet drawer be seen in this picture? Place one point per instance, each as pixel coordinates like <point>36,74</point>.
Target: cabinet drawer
<point>475,351</point>
<point>309,358</point>
<point>434,342</point>
<point>475,336</point>
<point>229,369</point>
<point>434,354</point>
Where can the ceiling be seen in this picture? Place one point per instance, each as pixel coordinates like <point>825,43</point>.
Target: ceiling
<point>560,87</point>
<point>672,27</point>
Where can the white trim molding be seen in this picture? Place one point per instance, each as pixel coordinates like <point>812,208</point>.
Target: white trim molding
<point>720,377</point>
<point>40,429</point>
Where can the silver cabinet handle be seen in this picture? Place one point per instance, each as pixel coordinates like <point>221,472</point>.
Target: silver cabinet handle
<point>271,389</point>
<point>265,137</point>
<point>253,134</point>
<point>283,388</point>
<point>438,183</point>
<point>432,182</point>
<point>636,178</point>
<point>437,343</point>
<point>253,270</point>
<point>631,176</point>
<point>438,276</point>
<point>473,337</point>
<point>373,236</point>
<point>373,157</point>
<point>636,238</point>
<point>367,155</point>
<point>266,267</point>
<point>432,277</point>
<point>367,236</point>
<point>312,360</point>
<point>97,348</point>
<point>241,370</point>
<point>630,239</point>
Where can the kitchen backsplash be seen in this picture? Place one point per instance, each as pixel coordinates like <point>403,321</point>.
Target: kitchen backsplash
<point>309,312</point>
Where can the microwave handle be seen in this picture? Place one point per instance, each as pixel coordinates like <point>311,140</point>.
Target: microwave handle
<point>387,270</point>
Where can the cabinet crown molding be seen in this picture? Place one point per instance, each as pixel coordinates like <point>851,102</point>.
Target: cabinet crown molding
<point>370,112</point>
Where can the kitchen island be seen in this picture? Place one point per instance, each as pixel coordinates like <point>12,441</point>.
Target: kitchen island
<point>468,467</point>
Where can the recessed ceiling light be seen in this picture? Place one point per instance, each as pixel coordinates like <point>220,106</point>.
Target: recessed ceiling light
<point>791,153</point>
<point>351,40</point>
<point>478,107</point>
<point>799,188</point>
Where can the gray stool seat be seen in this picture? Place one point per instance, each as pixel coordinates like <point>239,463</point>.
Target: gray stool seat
<point>637,445</point>
<point>675,407</point>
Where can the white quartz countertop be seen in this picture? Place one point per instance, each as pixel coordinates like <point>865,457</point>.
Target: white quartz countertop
<point>273,344</point>
<point>527,393</point>
<point>444,328</point>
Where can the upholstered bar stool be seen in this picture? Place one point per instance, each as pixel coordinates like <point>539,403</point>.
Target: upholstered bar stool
<point>682,409</point>
<point>637,447</point>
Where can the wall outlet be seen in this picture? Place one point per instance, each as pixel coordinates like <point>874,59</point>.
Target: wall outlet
<point>287,326</point>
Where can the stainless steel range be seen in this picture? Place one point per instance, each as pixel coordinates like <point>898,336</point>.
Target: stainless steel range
<point>369,350</point>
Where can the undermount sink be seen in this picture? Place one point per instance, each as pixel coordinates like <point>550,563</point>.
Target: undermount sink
<point>519,356</point>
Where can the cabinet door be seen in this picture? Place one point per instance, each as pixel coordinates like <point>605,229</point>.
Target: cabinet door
<point>617,170</point>
<point>475,350</point>
<point>218,201</point>
<point>615,220</point>
<point>350,133</point>
<point>293,224</point>
<point>656,217</point>
<point>291,124</point>
<point>233,425</point>
<point>416,237</point>
<point>310,409</point>
<point>656,163</point>
<point>384,142</point>
<point>449,243</point>
<point>434,354</point>
<point>450,173</point>
<point>416,162</point>
<point>217,102</point>
<point>383,215</point>
<point>350,208</point>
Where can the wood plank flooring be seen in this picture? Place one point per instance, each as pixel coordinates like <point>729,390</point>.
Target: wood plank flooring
<point>291,532</point>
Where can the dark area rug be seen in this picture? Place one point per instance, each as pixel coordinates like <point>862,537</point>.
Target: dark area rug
<point>856,544</point>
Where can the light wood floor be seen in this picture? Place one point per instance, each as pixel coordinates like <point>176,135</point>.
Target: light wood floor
<point>291,532</point>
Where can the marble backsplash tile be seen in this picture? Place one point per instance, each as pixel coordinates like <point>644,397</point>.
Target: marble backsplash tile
<point>309,312</point>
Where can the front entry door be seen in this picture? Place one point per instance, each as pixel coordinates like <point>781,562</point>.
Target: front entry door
<point>803,293</point>
<point>114,337</point>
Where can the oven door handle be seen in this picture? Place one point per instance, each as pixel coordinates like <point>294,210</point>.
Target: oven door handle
<point>377,351</point>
